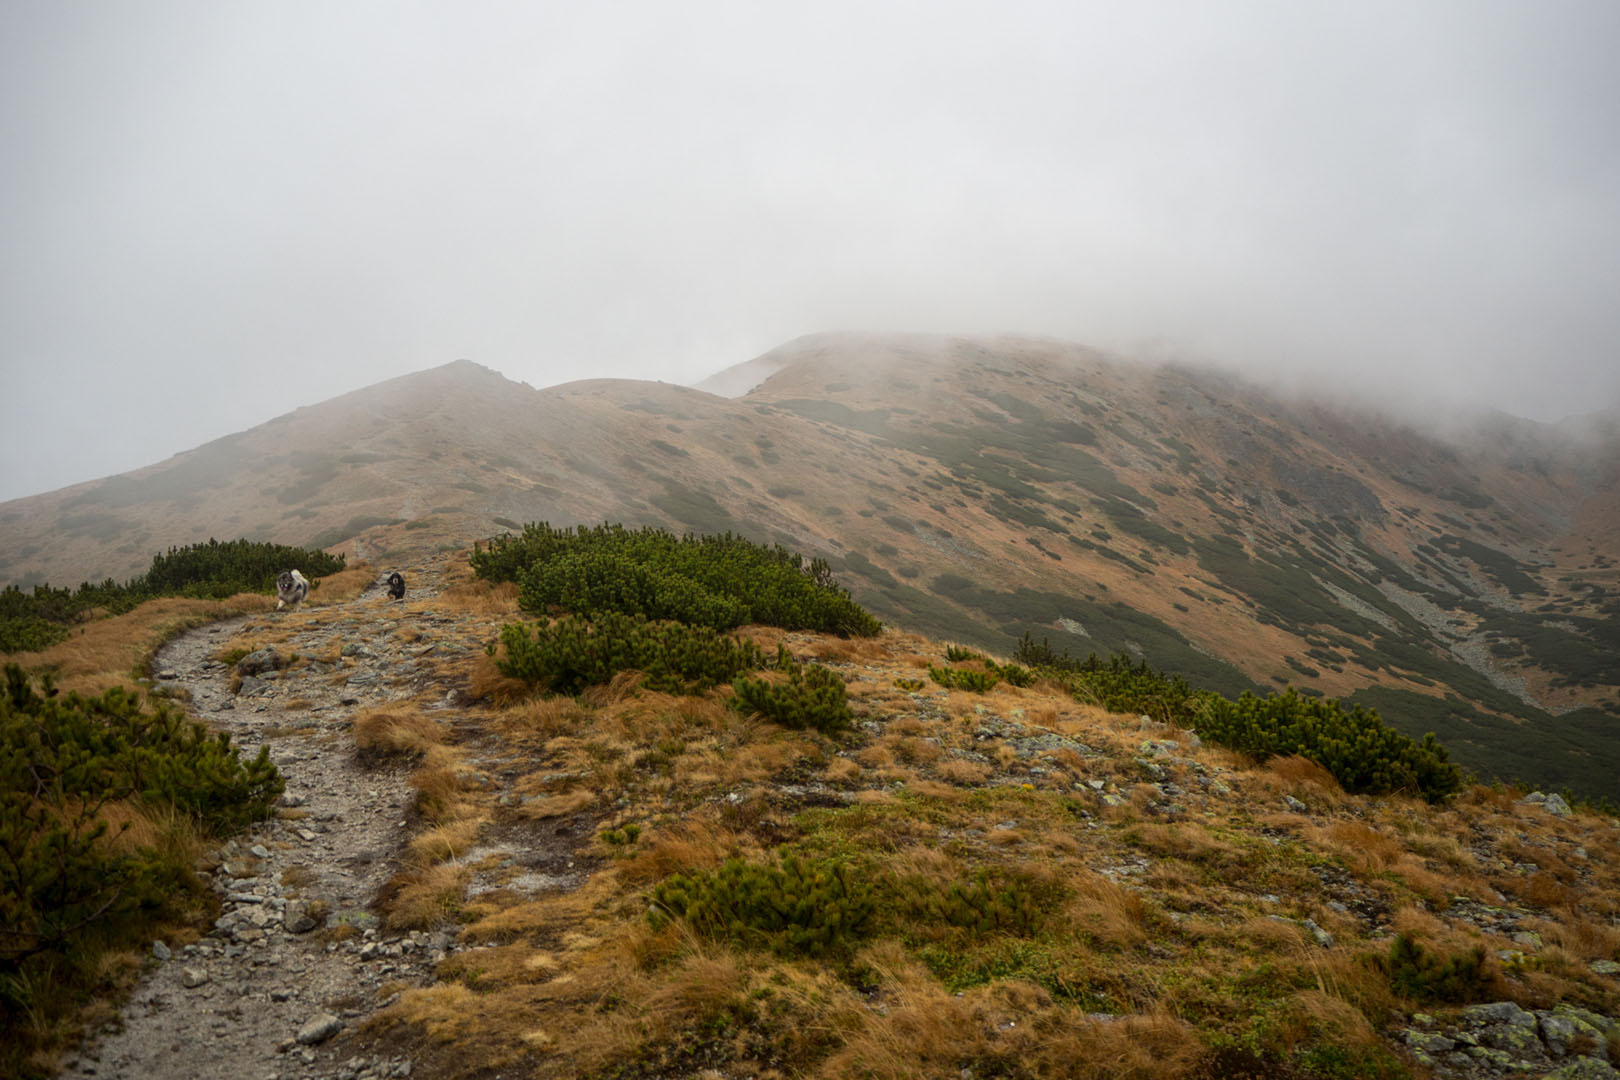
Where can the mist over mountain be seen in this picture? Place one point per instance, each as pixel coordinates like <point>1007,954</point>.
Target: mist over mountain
<point>1461,579</point>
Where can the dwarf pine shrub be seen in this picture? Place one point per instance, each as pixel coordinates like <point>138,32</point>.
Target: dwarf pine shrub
<point>1364,754</point>
<point>982,903</point>
<point>1118,684</point>
<point>572,653</point>
<point>716,581</point>
<point>796,905</point>
<point>1418,974</point>
<point>63,885</point>
<point>813,697</point>
<point>951,678</point>
<point>41,617</point>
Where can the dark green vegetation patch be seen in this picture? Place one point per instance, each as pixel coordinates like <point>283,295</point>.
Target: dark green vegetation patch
<point>68,892</point>
<point>715,581</point>
<point>573,653</point>
<point>1365,755</point>
<point>217,569</point>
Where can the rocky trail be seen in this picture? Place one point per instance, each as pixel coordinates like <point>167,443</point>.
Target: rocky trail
<point>296,956</point>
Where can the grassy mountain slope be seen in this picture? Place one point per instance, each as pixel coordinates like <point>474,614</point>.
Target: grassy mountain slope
<point>978,489</point>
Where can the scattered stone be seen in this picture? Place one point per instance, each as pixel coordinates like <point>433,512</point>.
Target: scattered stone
<point>191,977</point>
<point>1295,805</point>
<point>298,919</point>
<point>1586,1068</point>
<point>161,951</point>
<point>1605,967</point>
<point>256,663</point>
<point>319,1028</point>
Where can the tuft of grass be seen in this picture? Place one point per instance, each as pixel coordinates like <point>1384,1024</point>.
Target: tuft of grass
<point>396,730</point>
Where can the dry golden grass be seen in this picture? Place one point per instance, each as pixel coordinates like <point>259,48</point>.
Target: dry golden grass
<point>541,719</point>
<point>963,771</point>
<point>1174,943</point>
<point>481,598</point>
<point>486,683</point>
<point>557,805</point>
<point>342,586</point>
<point>425,897</point>
<point>443,842</point>
<point>111,652</point>
<point>397,728</point>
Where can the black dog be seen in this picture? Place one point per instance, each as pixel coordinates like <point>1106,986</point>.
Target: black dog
<point>396,585</point>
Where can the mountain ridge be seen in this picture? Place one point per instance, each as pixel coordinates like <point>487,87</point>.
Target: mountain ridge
<point>979,488</point>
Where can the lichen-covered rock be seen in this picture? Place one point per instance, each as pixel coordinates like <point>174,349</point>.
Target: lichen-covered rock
<point>1585,1068</point>
<point>1428,1042</point>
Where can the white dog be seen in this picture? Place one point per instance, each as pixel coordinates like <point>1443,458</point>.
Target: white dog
<point>291,588</point>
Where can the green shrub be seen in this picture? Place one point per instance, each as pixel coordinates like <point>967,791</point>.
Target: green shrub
<point>211,570</point>
<point>592,583</point>
<point>987,901</point>
<point>572,653</point>
<point>951,678</point>
<point>64,891</point>
<point>813,697</point>
<point>957,654</point>
<point>1012,673</point>
<point>717,581</point>
<point>1420,975</point>
<point>813,906</point>
<point>1118,684</point>
<point>1364,754</point>
<point>29,633</point>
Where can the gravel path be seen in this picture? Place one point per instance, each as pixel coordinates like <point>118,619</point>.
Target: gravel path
<point>296,957</point>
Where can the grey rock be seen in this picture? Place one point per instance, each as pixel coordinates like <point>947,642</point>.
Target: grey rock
<point>1605,967</point>
<point>1426,1041</point>
<point>1515,1039</point>
<point>1557,1032</point>
<point>297,918</point>
<point>319,1028</point>
<point>161,951</point>
<point>1295,805</point>
<point>191,977</point>
<point>255,663</point>
<point>1586,1068</point>
<point>1499,1012</point>
<point>1556,805</point>
<point>1323,938</point>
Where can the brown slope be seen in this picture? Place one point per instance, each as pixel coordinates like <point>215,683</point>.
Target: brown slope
<point>971,488</point>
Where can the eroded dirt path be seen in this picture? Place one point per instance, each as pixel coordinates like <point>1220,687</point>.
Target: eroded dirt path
<point>296,956</point>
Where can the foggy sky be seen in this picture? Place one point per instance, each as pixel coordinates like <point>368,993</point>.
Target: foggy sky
<point>211,214</point>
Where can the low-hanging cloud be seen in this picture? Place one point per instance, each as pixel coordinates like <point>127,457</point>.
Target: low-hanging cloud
<point>213,214</point>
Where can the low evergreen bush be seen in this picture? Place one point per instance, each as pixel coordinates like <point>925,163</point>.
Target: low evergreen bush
<point>983,903</point>
<point>1418,974</point>
<point>1364,754</point>
<point>64,886</point>
<point>572,653</point>
<point>715,581</point>
<point>41,617</point>
<point>813,697</point>
<point>1118,684</point>
<point>797,905</point>
<point>951,678</point>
